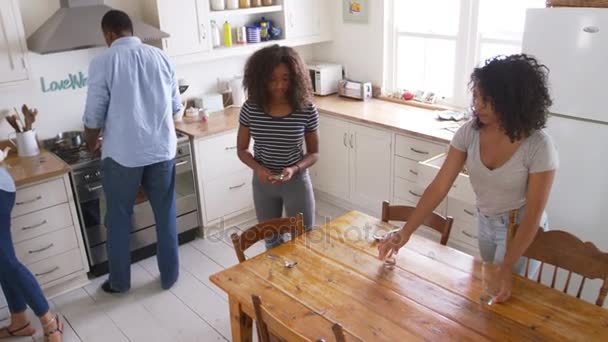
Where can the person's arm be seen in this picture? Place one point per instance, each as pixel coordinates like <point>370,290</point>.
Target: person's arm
<point>96,108</point>
<point>537,195</point>
<point>432,196</point>
<point>242,147</point>
<point>176,103</point>
<point>310,158</point>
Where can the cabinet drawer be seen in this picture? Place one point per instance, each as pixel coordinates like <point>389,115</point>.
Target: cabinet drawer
<point>417,149</point>
<point>465,247</point>
<point>59,266</point>
<point>461,189</point>
<point>217,157</point>
<point>465,233</point>
<point>410,192</point>
<point>39,196</point>
<point>46,246</point>
<point>406,169</point>
<point>227,195</point>
<point>462,211</point>
<point>41,222</point>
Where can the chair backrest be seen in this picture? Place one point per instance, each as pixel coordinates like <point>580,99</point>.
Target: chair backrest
<point>441,224</point>
<point>293,225</point>
<point>338,333</point>
<point>566,251</point>
<point>268,325</point>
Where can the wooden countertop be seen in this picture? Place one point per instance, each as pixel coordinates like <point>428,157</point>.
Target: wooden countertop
<point>406,119</point>
<point>219,122</point>
<point>394,116</point>
<point>33,169</point>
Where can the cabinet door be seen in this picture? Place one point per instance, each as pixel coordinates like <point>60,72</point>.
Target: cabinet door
<point>302,18</point>
<point>186,22</point>
<point>332,168</point>
<point>12,43</point>
<point>370,164</point>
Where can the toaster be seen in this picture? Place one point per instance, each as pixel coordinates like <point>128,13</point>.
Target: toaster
<point>355,90</point>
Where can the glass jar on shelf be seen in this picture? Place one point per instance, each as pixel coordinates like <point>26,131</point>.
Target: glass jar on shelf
<point>244,3</point>
<point>268,2</point>
<point>256,3</point>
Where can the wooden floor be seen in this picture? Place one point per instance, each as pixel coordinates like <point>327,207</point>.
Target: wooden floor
<point>193,310</point>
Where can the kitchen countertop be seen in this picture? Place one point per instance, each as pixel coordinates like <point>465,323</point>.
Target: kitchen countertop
<point>33,169</point>
<point>406,119</point>
<point>394,116</point>
<point>219,122</point>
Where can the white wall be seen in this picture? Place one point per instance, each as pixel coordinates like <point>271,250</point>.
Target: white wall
<point>62,111</point>
<point>359,47</point>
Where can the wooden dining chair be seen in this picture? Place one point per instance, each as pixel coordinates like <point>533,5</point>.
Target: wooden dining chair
<point>338,333</point>
<point>293,225</point>
<point>564,250</point>
<point>441,224</point>
<point>270,327</point>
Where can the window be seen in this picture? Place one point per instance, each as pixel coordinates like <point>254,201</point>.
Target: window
<point>435,44</point>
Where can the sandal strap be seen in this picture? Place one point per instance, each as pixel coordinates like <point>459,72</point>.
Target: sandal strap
<point>56,330</point>
<point>14,332</point>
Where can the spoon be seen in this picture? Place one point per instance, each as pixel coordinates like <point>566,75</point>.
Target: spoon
<point>286,263</point>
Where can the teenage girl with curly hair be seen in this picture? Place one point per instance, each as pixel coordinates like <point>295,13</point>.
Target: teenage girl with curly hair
<point>510,159</point>
<point>279,116</point>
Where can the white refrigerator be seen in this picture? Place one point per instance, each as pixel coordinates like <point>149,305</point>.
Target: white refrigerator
<point>573,44</point>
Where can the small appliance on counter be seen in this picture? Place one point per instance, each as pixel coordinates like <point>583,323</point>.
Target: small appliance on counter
<point>211,102</point>
<point>355,90</point>
<point>325,77</point>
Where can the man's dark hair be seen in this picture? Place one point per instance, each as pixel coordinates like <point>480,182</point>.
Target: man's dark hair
<point>117,22</point>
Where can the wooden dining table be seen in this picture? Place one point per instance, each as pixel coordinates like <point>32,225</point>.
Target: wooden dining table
<point>431,294</point>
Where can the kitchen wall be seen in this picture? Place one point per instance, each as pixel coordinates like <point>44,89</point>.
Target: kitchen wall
<point>359,47</point>
<point>62,110</point>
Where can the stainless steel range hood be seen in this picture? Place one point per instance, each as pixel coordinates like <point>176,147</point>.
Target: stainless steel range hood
<point>77,25</point>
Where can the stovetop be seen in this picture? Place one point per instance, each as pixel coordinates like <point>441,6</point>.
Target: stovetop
<point>80,157</point>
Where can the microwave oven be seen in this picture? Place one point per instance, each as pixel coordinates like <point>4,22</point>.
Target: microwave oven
<point>325,77</point>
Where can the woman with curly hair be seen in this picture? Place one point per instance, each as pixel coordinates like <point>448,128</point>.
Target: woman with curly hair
<point>510,159</point>
<point>280,117</point>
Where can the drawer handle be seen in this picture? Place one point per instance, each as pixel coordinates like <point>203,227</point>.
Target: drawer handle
<point>35,226</point>
<point>468,212</point>
<point>465,233</point>
<point>41,249</point>
<point>182,163</point>
<point>230,148</point>
<point>38,198</point>
<point>413,172</point>
<point>237,186</point>
<point>55,269</point>
<point>344,140</point>
<point>94,188</point>
<point>414,194</point>
<point>418,151</point>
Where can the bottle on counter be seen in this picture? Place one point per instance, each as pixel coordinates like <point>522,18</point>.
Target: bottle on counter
<point>227,35</point>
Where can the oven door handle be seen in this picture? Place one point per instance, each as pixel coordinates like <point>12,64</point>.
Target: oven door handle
<point>94,188</point>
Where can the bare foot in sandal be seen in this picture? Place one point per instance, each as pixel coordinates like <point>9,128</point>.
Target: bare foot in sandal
<point>15,330</point>
<point>53,330</point>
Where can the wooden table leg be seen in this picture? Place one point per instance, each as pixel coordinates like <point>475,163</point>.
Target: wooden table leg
<point>240,323</point>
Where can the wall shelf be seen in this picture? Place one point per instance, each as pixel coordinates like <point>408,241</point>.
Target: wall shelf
<point>245,11</point>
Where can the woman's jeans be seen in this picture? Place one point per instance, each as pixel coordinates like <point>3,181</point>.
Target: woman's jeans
<point>492,232</point>
<point>20,287</point>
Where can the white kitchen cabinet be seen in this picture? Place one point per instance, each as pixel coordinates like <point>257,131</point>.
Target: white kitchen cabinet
<point>331,172</point>
<point>47,236</point>
<point>354,163</point>
<point>13,49</point>
<point>370,165</point>
<point>187,23</point>
<point>302,18</point>
<point>224,182</point>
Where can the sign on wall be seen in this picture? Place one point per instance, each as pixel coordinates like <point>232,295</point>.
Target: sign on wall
<point>70,82</point>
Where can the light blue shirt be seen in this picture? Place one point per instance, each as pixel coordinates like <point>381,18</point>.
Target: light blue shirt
<point>132,96</point>
<point>6,181</point>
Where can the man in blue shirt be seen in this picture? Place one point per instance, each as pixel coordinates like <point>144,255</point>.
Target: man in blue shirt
<point>132,97</point>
